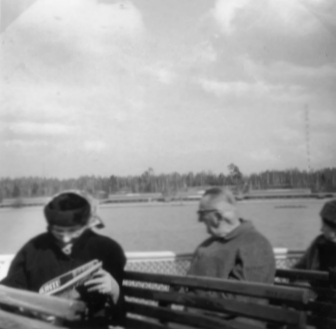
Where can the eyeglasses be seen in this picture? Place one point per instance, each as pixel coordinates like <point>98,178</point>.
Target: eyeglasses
<point>205,212</point>
<point>202,213</point>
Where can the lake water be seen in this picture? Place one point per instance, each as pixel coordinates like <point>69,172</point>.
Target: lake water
<point>288,223</point>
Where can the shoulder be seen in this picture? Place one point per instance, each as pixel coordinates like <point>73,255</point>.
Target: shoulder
<point>253,235</point>
<point>36,242</point>
<point>32,249</point>
<point>103,242</point>
<point>320,239</point>
<point>213,246</point>
<point>319,243</point>
<point>253,241</point>
<point>206,243</point>
<point>106,249</point>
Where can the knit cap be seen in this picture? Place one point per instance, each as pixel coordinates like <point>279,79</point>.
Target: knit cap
<point>328,213</point>
<point>71,208</point>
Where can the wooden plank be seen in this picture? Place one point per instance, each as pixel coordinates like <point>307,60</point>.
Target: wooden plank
<point>302,275</point>
<point>15,321</point>
<point>182,317</point>
<point>61,308</point>
<point>133,323</point>
<point>236,287</point>
<point>314,291</point>
<point>247,309</point>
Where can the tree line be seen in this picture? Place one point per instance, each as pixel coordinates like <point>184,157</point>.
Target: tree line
<point>323,180</point>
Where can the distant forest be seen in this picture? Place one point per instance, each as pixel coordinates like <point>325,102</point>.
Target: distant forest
<point>323,180</point>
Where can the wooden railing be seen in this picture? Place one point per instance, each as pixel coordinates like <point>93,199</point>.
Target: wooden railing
<point>167,262</point>
<point>216,303</point>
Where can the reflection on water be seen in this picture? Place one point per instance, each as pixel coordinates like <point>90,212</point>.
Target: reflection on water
<point>291,223</point>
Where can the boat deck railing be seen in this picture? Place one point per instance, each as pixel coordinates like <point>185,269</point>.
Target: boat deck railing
<point>166,262</point>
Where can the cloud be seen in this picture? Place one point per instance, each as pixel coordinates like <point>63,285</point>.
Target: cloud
<point>125,86</point>
<point>24,144</point>
<point>79,65</point>
<point>249,89</point>
<point>97,146</point>
<point>162,72</point>
<point>204,53</point>
<point>313,80</point>
<point>280,16</point>
<point>323,123</point>
<point>71,36</point>
<point>33,128</point>
<point>263,155</point>
<point>302,32</point>
<point>88,20</point>
<point>226,88</point>
<point>281,68</point>
<point>225,11</point>
<point>291,15</point>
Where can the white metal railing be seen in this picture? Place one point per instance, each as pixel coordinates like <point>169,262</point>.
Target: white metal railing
<point>168,262</point>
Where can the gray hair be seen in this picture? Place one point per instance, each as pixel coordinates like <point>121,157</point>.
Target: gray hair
<point>221,193</point>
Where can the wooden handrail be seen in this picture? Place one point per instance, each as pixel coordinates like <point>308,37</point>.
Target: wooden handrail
<point>250,289</point>
<point>302,274</point>
<point>220,305</point>
<point>192,319</point>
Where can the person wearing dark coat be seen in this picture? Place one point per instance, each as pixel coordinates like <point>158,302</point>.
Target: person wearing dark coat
<point>321,254</point>
<point>69,243</point>
<point>235,250</point>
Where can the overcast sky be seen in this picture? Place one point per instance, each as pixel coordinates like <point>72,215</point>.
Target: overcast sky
<point>114,87</point>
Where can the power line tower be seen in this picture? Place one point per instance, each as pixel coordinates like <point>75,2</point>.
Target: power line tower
<point>307,130</point>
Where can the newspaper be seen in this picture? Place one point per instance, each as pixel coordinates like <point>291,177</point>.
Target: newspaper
<point>66,285</point>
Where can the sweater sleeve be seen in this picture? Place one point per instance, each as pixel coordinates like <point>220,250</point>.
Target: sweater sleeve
<point>255,262</point>
<point>114,263</point>
<point>309,260</point>
<point>17,274</point>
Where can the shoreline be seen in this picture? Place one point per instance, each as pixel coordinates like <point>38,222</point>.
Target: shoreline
<point>175,203</point>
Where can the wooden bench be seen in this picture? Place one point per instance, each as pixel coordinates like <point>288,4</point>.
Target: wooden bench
<point>157,301</point>
<point>321,284</point>
<point>322,287</point>
<point>154,302</point>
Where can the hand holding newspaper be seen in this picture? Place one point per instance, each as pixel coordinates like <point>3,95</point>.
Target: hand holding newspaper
<point>89,283</point>
<point>104,283</point>
<point>66,284</point>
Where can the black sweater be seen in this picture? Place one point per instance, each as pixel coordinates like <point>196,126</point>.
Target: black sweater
<point>41,260</point>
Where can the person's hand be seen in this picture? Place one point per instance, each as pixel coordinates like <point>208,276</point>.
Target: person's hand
<point>104,283</point>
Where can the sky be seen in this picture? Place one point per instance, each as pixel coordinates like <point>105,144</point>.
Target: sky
<point>98,87</point>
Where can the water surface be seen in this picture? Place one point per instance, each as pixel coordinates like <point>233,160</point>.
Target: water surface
<point>289,223</point>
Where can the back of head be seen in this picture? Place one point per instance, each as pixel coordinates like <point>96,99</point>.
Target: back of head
<point>220,194</point>
<point>69,208</point>
<point>222,200</point>
<point>328,213</point>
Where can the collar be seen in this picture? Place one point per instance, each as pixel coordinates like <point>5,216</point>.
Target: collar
<point>244,226</point>
<point>77,244</point>
<point>321,240</point>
